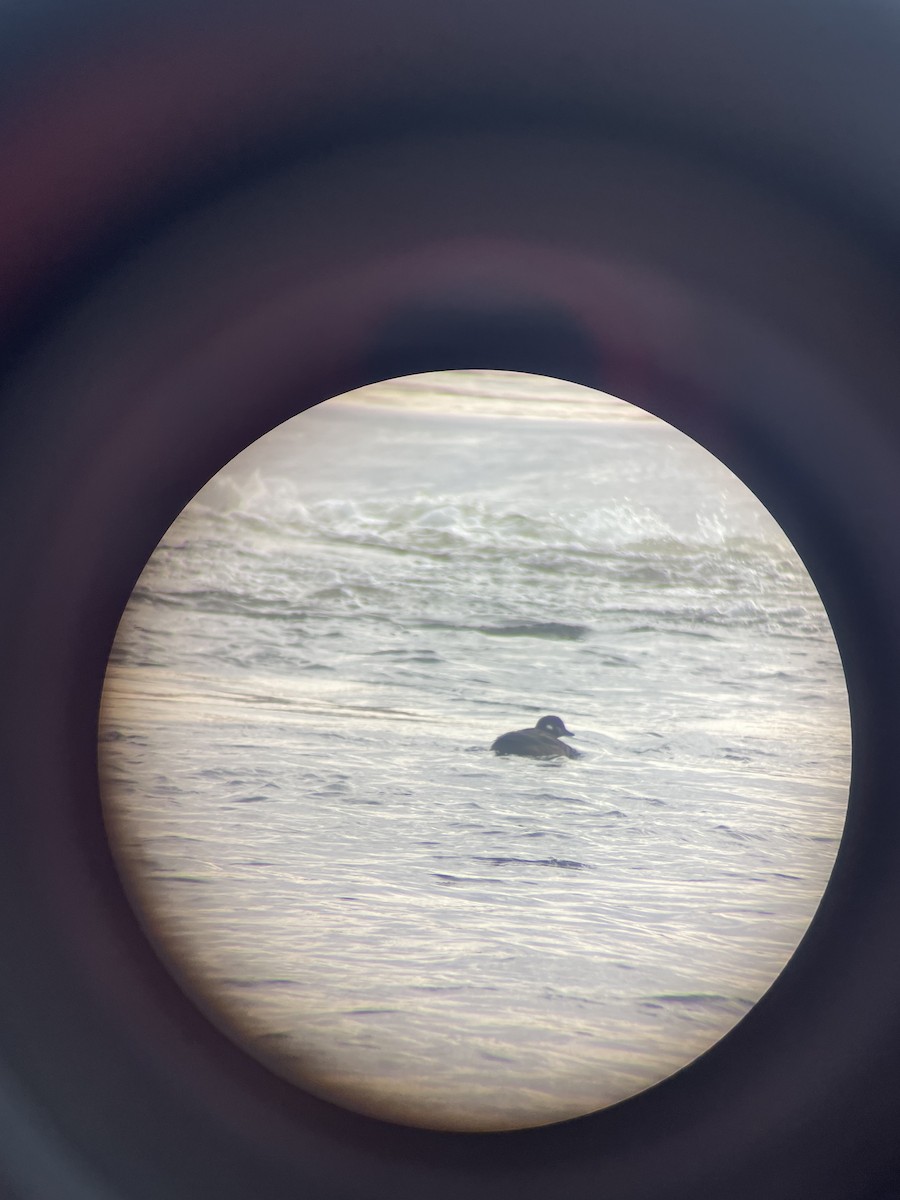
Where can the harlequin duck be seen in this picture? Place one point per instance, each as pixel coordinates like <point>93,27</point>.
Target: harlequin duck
<point>540,742</point>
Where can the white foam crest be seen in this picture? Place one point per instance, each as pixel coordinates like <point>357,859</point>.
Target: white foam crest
<point>262,511</point>
<point>256,493</point>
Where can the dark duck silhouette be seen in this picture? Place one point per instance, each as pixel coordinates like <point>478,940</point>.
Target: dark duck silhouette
<point>540,742</point>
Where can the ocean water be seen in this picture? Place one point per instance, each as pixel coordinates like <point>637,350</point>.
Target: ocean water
<point>294,749</point>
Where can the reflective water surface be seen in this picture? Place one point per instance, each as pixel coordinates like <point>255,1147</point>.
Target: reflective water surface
<point>295,731</point>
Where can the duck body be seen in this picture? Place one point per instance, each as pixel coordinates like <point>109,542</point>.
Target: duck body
<point>540,742</point>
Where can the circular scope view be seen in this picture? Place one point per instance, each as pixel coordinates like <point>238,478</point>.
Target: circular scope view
<point>475,749</point>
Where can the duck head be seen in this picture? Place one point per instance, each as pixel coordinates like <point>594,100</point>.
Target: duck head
<point>553,726</point>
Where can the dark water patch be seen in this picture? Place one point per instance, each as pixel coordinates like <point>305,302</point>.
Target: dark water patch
<point>337,787</point>
<point>437,987</point>
<point>580,1001</point>
<point>221,603</point>
<point>183,879</point>
<point>737,834</point>
<point>563,863</point>
<point>697,1001</point>
<point>115,735</point>
<point>646,573</point>
<point>674,624</point>
<point>416,656</point>
<point>369,1012</point>
<point>249,799</point>
<point>253,862</point>
<point>127,657</point>
<point>145,862</point>
<point>451,880</point>
<point>557,800</point>
<point>365,591</point>
<point>782,875</point>
<point>449,626</point>
<point>459,987</point>
<point>261,983</point>
<point>554,630</point>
